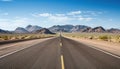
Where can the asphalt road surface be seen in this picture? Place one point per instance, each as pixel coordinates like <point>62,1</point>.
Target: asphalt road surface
<point>59,53</point>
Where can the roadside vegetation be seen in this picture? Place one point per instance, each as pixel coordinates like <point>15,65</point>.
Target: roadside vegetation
<point>4,37</point>
<point>111,37</point>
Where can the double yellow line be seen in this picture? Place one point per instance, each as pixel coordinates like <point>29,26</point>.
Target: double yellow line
<point>62,59</point>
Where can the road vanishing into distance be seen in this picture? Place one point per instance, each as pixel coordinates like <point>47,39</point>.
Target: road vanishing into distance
<point>59,53</point>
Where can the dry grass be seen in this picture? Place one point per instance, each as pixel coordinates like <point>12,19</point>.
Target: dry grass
<point>23,36</point>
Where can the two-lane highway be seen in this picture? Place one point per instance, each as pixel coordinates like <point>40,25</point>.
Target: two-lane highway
<point>59,53</point>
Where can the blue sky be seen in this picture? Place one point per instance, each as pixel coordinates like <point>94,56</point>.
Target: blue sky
<point>46,13</point>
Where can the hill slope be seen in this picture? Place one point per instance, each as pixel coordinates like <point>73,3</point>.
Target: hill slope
<point>4,31</point>
<point>44,31</point>
<point>33,28</point>
<point>20,30</point>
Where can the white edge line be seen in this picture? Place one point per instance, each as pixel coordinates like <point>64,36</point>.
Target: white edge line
<point>99,50</point>
<point>13,52</point>
<point>104,52</point>
<point>17,51</point>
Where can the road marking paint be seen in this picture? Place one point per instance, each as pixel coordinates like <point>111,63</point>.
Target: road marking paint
<point>105,52</point>
<point>60,44</point>
<point>12,52</point>
<point>62,62</point>
<point>99,49</point>
<point>2,56</point>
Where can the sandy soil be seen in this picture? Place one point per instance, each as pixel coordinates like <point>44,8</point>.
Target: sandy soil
<point>104,45</point>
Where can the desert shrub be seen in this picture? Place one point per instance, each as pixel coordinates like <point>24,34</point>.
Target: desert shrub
<point>4,37</point>
<point>116,39</point>
<point>104,37</point>
<point>90,37</point>
<point>23,36</point>
<point>13,38</point>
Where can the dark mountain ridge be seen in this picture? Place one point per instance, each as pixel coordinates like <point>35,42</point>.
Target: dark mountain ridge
<point>61,28</point>
<point>44,31</point>
<point>4,31</point>
<point>79,28</point>
<point>20,30</point>
<point>33,28</point>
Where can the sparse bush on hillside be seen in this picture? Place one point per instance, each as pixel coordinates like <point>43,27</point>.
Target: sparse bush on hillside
<point>115,39</point>
<point>1,39</point>
<point>23,36</point>
<point>90,37</point>
<point>104,37</point>
<point>13,38</point>
<point>5,37</point>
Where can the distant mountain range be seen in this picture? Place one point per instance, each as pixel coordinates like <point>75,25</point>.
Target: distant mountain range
<point>61,28</point>
<point>4,31</point>
<point>21,30</point>
<point>82,28</point>
<point>44,31</point>
<point>31,28</point>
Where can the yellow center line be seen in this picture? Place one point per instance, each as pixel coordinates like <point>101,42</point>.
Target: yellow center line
<point>62,62</point>
<point>62,59</point>
<point>61,44</point>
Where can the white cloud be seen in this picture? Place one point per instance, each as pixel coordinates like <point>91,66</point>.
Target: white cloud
<point>74,16</point>
<point>6,0</point>
<point>74,13</point>
<point>92,13</point>
<point>44,15</point>
<point>20,20</point>
<point>81,18</point>
<point>60,14</point>
<point>59,19</point>
<point>85,19</point>
<point>89,19</point>
<point>53,17</point>
<point>12,23</point>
